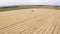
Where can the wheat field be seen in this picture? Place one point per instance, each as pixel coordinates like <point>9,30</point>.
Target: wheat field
<point>40,21</point>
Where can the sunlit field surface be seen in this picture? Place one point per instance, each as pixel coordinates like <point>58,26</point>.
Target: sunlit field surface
<point>30,21</point>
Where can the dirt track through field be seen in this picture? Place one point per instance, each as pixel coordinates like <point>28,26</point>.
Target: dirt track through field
<point>40,21</point>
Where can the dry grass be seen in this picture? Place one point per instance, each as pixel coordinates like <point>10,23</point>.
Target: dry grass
<point>40,21</point>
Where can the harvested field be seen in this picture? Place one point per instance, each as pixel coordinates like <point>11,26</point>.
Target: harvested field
<point>30,21</point>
